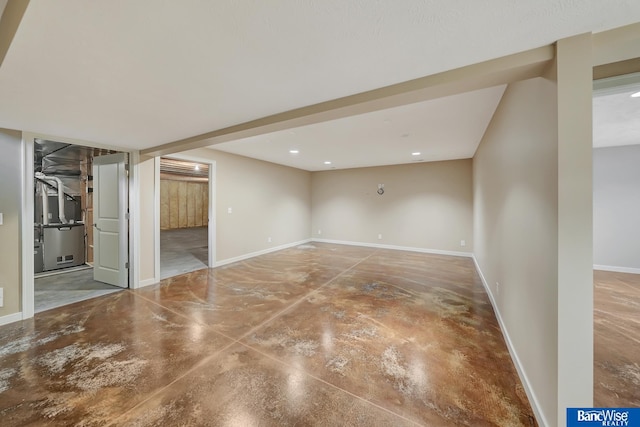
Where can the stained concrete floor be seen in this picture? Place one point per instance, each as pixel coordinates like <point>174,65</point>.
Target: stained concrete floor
<point>318,334</point>
<point>67,287</point>
<point>183,250</point>
<point>616,339</point>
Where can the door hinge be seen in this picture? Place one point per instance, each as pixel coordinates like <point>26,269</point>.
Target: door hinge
<point>126,265</point>
<point>126,216</point>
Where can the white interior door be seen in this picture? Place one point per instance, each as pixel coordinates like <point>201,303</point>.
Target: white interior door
<point>110,211</point>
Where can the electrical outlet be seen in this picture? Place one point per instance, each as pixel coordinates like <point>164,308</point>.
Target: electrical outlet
<point>463,243</point>
<point>1,218</point>
<point>268,239</point>
<point>319,231</point>
<point>379,236</point>
<point>229,210</point>
<point>1,297</point>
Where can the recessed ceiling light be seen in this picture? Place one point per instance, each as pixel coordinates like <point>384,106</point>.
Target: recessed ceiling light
<point>415,153</point>
<point>327,162</point>
<point>294,151</point>
<point>635,95</point>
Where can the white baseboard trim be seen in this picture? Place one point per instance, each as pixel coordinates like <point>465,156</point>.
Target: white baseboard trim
<point>533,400</point>
<point>258,253</point>
<point>147,282</point>
<point>10,318</point>
<point>396,248</point>
<point>616,269</point>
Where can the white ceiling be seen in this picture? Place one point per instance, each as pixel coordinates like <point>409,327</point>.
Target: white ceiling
<point>441,129</point>
<point>616,118</point>
<point>136,74</point>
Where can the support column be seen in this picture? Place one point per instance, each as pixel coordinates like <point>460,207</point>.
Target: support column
<point>575,224</point>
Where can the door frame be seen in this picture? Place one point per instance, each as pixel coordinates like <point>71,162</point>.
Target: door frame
<point>211,224</point>
<point>26,229</point>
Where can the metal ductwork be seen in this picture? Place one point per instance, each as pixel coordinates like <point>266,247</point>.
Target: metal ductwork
<point>45,203</point>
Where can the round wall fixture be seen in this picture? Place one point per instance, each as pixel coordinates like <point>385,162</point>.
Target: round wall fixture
<point>381,189</point>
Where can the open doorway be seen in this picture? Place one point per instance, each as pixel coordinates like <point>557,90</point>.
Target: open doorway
<point>616,241</point>
<point>64,232</point>
<point>184,217</point>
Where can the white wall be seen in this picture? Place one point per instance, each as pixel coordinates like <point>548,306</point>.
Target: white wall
<point>616,208</point>
<point>425,205</point>
<point>267,200</point>
<point>147,221</point>
<point>11,208</point>
<point>515,231</point>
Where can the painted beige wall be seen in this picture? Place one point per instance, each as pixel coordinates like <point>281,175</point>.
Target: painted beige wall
<point>515,228</point>
<point>10,205</point>
<point>146,178</point>
<point>266,200</point>
<point>616,207</point>
<point>425,205</point>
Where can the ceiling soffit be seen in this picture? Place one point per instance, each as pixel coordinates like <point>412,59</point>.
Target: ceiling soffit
<point>521,66</point>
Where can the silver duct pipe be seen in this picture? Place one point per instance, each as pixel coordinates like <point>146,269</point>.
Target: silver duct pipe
<point>45,203</point>
<point>63,218</point>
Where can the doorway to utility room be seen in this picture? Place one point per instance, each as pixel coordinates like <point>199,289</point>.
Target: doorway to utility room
<point>184,217</point>
<point>65,257</point>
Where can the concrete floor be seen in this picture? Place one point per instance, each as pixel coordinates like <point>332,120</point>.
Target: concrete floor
<point>318,334</point>
<point>67,287</point>
<point>183,250</point>
<point>616,339</point>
